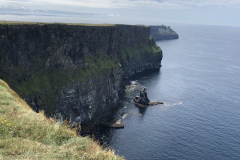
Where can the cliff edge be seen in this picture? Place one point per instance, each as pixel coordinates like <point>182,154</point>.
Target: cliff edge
<point>25,134</point>
<point>74,72</point>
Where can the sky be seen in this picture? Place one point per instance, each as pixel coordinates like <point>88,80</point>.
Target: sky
<point>148,12</point>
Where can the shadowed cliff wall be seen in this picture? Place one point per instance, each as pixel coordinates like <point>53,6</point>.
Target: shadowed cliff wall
<point>72,70</point>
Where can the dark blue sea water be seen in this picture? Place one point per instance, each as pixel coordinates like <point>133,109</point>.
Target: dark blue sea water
<point>200,84</point>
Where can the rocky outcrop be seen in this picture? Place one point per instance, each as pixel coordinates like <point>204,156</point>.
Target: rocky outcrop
<point>163,33</point>
<point>143,98</point>
<point>74,71</point>
<point>143,101</point>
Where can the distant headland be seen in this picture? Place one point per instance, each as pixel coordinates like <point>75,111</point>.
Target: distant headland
<point>163,33</point>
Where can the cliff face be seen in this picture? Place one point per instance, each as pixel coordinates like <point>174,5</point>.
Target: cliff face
<point>74,71</point>
<point>163,33</point>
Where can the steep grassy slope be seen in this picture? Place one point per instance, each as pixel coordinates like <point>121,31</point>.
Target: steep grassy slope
<point>25,134</point>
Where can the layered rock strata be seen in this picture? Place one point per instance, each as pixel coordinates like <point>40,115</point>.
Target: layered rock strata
<point>74,71</point>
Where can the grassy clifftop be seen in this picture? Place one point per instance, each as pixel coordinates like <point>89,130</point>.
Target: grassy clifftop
<point>25,134</point>
<point>43,23</point>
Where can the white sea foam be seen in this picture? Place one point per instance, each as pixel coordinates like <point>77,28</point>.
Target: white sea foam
<point>171,104</point>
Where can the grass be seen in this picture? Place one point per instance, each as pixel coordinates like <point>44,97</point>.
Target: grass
<point>45,23</point>
<point>141,49</point>
<point>100,63</point>
<point>156,49</point>
<point>25,134</point>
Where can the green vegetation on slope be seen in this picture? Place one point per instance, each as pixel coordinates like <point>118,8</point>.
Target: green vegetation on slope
<point>25,134</point>
<point>141,49</point>
<point>52,80</point>
<point>57,78</point>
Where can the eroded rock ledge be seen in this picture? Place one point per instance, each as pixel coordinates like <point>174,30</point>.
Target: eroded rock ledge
<point>72,70</point>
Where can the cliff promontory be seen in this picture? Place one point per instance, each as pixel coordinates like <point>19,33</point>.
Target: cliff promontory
<point>74,71</point>
<point>163,33</point>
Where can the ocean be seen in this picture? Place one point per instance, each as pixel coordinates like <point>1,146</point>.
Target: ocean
<point>199,83</point>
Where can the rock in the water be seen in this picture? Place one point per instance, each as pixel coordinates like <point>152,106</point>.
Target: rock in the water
<point>149,104</point>
<point>143,98</point>
<point>117,124</point>
<point>143,101</point>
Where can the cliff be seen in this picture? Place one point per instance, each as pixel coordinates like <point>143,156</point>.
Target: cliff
<point>74,71</point>
<point>163,33</point>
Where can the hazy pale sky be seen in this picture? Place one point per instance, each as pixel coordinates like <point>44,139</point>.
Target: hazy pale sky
<point>214,12</point>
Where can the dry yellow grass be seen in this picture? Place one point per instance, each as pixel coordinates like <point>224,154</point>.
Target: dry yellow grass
<point>25,134</point>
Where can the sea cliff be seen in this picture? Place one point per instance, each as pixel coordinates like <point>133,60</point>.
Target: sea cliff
<point>163,33</point>
<point>74,72</point>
